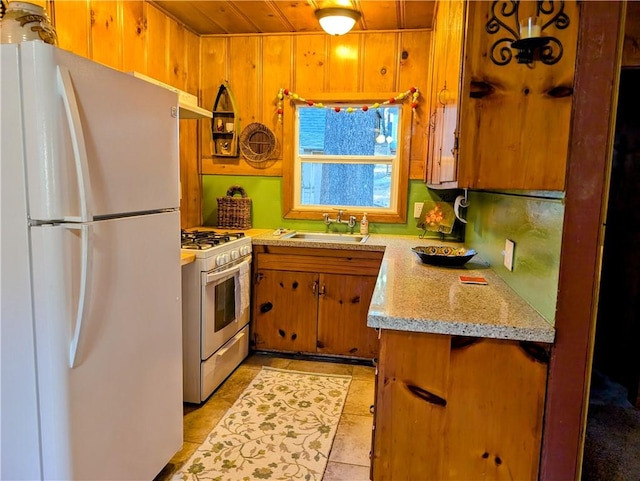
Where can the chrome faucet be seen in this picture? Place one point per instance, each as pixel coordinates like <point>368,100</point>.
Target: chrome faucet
<point>351,222</point>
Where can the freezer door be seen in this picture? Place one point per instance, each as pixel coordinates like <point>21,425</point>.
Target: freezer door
<point>98,141</point>
<point>109,348</point>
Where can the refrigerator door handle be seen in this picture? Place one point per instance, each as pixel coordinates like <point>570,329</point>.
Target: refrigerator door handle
<point>85,276</point>
<point>77,140</point>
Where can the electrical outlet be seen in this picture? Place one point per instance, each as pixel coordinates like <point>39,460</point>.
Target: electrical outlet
<point>417,209</point>
<point>509,247</point>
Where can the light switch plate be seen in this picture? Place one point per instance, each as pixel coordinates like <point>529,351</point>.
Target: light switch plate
<point>509,247</point>
<point>417,209</point>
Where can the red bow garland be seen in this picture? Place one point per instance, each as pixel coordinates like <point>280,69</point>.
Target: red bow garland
<point>413,93</point>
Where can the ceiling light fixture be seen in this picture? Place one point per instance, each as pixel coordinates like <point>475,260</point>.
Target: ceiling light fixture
<point>337,21</point>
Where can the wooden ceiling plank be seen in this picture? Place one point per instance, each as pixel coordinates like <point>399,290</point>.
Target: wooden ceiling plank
<point>266,15</point>
<point>380,14</point>
<point>187,13</point>
<point>219,17</point>
<point>300,14</point>
<point>224,14</point>
<point>418,14</point>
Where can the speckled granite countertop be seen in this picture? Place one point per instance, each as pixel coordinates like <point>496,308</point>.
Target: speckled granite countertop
<point>412,296</point>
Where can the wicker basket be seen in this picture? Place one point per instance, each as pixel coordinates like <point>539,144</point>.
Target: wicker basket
<point>234,212</point>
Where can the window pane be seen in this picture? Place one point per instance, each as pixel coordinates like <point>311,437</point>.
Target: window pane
<point>357,185</point>
<point>327,132</point>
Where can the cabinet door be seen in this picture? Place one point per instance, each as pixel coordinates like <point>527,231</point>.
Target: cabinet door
<point>515,118</point>
<point>495,410</point>
<point>343,305</point>
<point>285,310</point>
<point>410,425</point>
<point>446,77</point>
<point>456,408</point>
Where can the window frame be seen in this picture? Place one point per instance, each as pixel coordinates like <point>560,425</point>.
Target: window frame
<point>397,212</point>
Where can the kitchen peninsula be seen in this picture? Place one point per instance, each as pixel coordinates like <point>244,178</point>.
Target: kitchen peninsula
<point>411,296</point>
<point>466,365</point>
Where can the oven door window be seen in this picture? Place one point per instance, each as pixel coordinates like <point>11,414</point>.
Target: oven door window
<point>225,304</point>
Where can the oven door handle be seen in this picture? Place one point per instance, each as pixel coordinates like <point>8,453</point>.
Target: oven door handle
<point>216,276</point>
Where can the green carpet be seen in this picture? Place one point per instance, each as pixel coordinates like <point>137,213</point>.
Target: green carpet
<point>280,428</point>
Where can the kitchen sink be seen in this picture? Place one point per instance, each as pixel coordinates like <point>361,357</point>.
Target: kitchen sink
<point>327,237</point>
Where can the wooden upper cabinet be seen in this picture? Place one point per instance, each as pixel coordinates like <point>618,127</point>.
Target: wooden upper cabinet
<point>496,123</point>
<point>515,117</point>
<point>441,171</point>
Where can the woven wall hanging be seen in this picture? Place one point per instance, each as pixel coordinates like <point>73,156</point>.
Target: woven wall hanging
<point>257,142</point>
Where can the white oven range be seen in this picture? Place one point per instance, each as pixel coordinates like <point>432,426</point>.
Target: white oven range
<point>215,309</point>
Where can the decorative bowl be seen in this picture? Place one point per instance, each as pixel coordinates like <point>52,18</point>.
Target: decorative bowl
<point>444,255</point>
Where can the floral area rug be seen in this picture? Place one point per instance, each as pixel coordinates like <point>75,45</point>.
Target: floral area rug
<point>281,427</point>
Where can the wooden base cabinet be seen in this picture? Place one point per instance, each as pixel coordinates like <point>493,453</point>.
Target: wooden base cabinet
<point>457,408</point>
<point>314,301</point>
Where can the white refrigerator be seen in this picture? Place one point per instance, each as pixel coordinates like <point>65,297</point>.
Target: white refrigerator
<point>90,333</point>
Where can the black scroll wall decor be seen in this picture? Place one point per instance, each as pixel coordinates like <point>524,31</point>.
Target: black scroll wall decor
<point>505,21</point>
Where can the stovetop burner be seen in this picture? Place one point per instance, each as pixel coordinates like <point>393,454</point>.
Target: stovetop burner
<point>201,240</point>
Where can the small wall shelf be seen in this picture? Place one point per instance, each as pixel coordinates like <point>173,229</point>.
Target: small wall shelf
<point>225,124</point>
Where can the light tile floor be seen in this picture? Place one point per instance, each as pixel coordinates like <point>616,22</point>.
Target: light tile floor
<point>349,457</point>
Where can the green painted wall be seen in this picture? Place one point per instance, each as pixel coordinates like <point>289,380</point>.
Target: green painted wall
<point>266,204</point>
<point>533,221</point>
<point>535,225</point>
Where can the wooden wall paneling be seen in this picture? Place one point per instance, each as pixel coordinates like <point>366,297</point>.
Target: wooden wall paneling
<point>631,48</point>
<point>190,179</point>
<point>379,60</point>
<point>213,71</point>
<point>134,36</point>
<point>343,68</point>
<point>244,77</point>
<point>176,55</point>
<point>521,110</point>
<point>310,65</point>
<point>191,67</point>
<point>277,73</point>
<point>413,71</point>
<point>72,26</point>
<point>191,202</point>
<point>106,32</point>
<point>244,81</point>
<point>157,44</point>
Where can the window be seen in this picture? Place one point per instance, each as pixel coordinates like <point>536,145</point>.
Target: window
<point>346,159</point>
<point>350,160</point>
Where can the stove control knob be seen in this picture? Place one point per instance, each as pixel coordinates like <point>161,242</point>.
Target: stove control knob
<point>245,250</point>
<point>235,254</point>
<point>220,260</point>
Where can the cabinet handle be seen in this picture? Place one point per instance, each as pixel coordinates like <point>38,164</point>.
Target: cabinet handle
<point>461,342</point>
<point>442,95</point>
<point>314,289</point>
<point>479,90</point>
<point>426,395</point>
<point>323,290</point>
<point>454,151</point>
<point>535,351</point>
<point>432,120</point>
